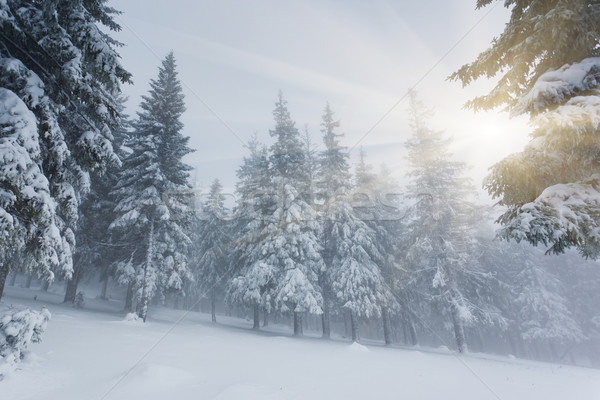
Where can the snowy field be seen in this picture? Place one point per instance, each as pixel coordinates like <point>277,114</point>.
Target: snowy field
<point>96,354</point>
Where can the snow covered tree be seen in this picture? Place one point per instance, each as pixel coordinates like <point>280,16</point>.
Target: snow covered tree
<point>438,239</point>
<point>282,256</point>
<point>94,251</point>
<point>213,240</point>
<point>378,204</point>
<point>154,197</point>
<point>548,60</point>
<point>533,297</point>
<point>291,245</point>
<point>352,276</point>
<point>27,209</point>
<point>252,279</point>
<point>544,313</point>
<point>57,59</point>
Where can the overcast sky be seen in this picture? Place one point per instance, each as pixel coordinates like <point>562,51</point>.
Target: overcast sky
<point>361,56</point>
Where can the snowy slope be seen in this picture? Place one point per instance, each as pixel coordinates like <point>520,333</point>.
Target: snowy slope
<point>97,355</point>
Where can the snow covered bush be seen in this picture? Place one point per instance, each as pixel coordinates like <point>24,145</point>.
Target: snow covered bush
<point>17,330</point>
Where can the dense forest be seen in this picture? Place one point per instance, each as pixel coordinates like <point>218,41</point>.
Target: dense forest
<point>91,197</point>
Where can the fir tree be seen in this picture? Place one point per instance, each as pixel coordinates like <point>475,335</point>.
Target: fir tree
<point>438,240</point>
<point>94,252</point>
<point>56,58</point>
<point>378,205</point>
<point>213,240</point>
<point>283,253</point>
<point>548,60</point>
<point>252,279</point>
<point>153,194</point>
<point>352,258</point>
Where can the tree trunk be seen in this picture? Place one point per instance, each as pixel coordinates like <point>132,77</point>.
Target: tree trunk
<point>72,284</point>
<point>265,318</point>
<point>411,329</point>
<point>143,309</point>
<point>387,331</point>
<point>213,305</point>
<point>129,299</point>
<point>13,279</point>
<point>104,290</point>
<point>459,330</point>
<point>346,329</point>
<point>481,341</point>
<point>354,327</point>
<point>326,321</point>
<point>256,318</point>
<point>29,279</point>
<point>3,274</point>
<point>45,285</point>
<point>298,324</point>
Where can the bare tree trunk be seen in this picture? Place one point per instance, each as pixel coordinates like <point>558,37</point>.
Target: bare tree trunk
<point>387,331</point>
<point>129,299</point>
<point>213,305</point>
<point>265,318</point>
<point>410,326</point>
<point>13,279</point>
<point>3,274</point>
<point>298,324</point>
<point>45,285</point>
<point>325,319</point>
<point>143,309</point>
<point>256,318</point>
<point>29,279</point>
<point>459,330</point>
<point>354,327</point>
<point>104,290</point>
<point>72,284</point>
<point>346,328</point>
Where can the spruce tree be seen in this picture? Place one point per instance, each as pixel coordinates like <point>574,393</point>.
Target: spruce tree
<point>547,60</point>
<point>283,253</point>
<point>252,280</point>
<point>213,245</point>
<point>154,206</point>
<point>95,253</point>
<point>291,243</point>
<point>59,61</point>
<point>352,260</point>
<point>438,238</point>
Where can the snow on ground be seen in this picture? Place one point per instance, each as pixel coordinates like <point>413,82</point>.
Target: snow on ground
<point>96,354</point>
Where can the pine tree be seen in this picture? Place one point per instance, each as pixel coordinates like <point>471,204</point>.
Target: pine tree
<point>352,275</point>
<point>153,194</point>
<point>291,243</point>
<point>282,255</point>
<point>438,240</point>
<point>252,279</point>
<point>27,210</point>
<point>55,57</point>
<point>213,243</point>
<point>379,206</point>
<point>533,296</point>
<point>548,59</point>
<point>94,252</point>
